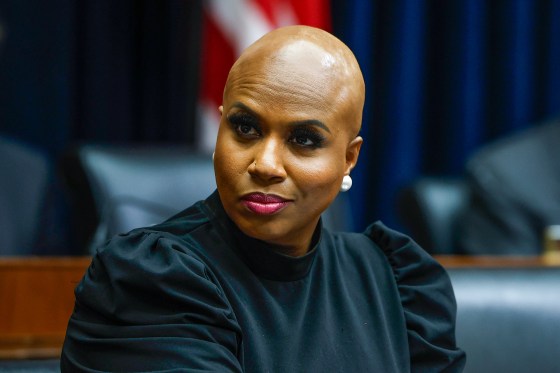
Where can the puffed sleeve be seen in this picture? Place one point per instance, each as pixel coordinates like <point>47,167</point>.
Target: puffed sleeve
<point>428,301</point>
<point>148,304</point>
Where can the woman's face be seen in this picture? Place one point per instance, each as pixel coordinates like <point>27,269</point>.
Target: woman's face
<point>283,148</point>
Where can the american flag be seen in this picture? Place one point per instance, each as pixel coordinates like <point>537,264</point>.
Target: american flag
<point>229,27</point>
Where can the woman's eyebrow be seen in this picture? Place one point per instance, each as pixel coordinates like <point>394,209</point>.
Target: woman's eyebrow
<point>299,123</point>
<point>311,122</point>
<point>244,107</point>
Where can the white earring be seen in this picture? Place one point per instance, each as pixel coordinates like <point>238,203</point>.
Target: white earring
<point>346,183</point>
<point>213,155</point>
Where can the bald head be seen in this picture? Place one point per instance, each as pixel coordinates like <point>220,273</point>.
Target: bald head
<point>312,60</point>
<point>291,113</point>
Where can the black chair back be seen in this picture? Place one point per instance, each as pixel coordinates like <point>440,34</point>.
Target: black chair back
<point>430,209</point>
<point>24,181</point>
<point>126,187</point>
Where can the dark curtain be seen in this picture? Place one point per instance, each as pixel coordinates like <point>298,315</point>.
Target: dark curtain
<point>103,71</point>
<point>99,71</point>
<point>444,78</point>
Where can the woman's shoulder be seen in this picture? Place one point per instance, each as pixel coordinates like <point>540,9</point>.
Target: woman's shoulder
<point>150,248</point>
<point>157,248</point>
<point>380,242</point>
<point>413,269</point>
<point>146,269</point>
<point>404,255</point>
<point>428,301</point>
<point>162,246</point>
<point>425,293</point>
<point>150,290</point>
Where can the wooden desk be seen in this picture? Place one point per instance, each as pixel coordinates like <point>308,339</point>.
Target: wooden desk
<point>459,261</point>
<point>36,300</point>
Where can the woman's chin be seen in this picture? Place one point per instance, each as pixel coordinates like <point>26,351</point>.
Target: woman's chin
<point>271,232</point>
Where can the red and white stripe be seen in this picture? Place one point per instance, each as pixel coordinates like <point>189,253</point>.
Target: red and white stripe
<point>229,27</point>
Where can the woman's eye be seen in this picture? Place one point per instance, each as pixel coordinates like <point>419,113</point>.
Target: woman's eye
<point>307,138</point>
<point>303,140</point>
<point>247,130</point>
<point>246,126</point>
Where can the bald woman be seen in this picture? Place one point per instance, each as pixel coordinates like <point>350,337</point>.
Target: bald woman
<point>249,280</point>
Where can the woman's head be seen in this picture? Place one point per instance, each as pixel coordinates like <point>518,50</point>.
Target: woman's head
<point>288,134</point>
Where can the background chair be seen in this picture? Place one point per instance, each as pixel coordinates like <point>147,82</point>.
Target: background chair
<point>515,186</point>
<point>508,319</point>
<point>23,180</point>
<point>118,188</point>
<point>30,366</point>
<point>430,209</point>
<point>30,220</point>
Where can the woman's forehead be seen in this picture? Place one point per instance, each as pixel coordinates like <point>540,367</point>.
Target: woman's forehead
<point>285,93</point>
<point>301,74</point>
<point>299,58</point>
<point>292,75</point>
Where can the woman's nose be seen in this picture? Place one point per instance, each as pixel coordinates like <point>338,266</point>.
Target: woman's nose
<point>268,162</point>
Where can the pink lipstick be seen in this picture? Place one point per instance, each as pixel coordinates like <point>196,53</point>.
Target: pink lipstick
<point>264,204</point>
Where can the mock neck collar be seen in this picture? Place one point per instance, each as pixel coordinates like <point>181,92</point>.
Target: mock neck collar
<point>263,258</point>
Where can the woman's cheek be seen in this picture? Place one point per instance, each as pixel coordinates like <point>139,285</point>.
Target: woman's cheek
<point>316,174</point>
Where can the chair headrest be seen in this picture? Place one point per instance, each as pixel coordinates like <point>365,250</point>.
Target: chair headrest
<point>136,186</point>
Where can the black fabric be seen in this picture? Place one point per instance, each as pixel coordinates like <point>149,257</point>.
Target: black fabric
<point>515,186</point>
<point>195,293</point>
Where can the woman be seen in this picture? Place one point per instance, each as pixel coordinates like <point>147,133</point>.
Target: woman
<point>248,280</point>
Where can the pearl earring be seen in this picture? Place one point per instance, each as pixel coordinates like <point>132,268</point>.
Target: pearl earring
<point>346,183</point>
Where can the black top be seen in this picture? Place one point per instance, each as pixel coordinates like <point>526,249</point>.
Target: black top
<point>196,294</point>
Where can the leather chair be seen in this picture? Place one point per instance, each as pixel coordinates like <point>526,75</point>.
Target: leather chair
<point>118,188</point>
<point>430,209</point>
<point>25,185</point>
<point>508,319</point>
<point>515,186</point>
<point>30,366</point>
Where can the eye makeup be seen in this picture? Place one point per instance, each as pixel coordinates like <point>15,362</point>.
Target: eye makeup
<point>244,124</point>
<point>306,136</point>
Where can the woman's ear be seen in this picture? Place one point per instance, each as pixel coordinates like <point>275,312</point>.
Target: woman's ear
<point>352,153</point>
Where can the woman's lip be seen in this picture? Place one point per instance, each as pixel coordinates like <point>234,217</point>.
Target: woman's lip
<point>263,198</point>
<point>264,204</point>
